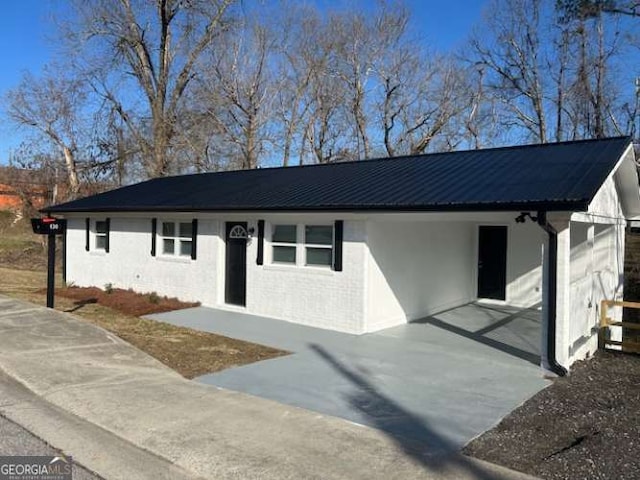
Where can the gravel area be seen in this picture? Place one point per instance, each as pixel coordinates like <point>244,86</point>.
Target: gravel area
<point>584,426</point>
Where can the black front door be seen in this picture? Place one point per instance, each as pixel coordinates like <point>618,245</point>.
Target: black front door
<point>236,264</point>
<point>492,262</point>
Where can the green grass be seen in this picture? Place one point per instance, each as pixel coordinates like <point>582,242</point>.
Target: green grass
<point>19,246</point>
<point>18,242</point>
<point>16,236</point>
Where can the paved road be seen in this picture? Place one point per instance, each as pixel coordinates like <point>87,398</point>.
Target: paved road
<point>16,440</point>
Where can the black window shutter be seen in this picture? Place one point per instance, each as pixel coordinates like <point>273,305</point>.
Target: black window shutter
<point>194,238</point>
<point>64,256</point>
<point>337,245</point>
<point>107,222</point>
<point>260,259</point>
<point>87,233</point>
<point>154,227</point>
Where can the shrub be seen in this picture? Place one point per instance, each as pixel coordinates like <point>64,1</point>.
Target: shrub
<point>154,298</point>
<point>108,288</point>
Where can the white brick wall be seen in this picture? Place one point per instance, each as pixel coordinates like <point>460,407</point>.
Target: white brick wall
<point>312,296</point>
<point>393,271</point>
<point>129,263</point>
<point>315,296</point>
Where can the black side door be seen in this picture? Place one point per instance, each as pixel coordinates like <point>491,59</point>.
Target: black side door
<point>492,262</point>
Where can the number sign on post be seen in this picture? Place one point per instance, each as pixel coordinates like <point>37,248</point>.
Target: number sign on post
<point>51,227</point>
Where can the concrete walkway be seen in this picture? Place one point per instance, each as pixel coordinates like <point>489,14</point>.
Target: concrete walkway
<point>124,415</point>
<point>437,383</point>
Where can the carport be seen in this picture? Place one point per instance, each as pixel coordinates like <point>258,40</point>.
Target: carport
<point>432,384</point>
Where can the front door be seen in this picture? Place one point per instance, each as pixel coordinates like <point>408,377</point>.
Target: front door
<point>492,262</point>
<point>236,264</point>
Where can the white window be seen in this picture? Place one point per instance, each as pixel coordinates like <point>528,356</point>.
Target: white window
<point>318,241</point>
<point>177,238</point>
<point>303,245</point>
<point>102,230</point>
<point>283,241</point>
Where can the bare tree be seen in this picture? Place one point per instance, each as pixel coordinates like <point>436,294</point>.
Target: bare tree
<point>52,106</point>
<point>354,49</point>
<point>150,47</point>
<point>421,99</point>
<point>513,58</point>
<point>329,120</point>
<point>302,56</point>
<point>238,90</point>
<point>593,103</point>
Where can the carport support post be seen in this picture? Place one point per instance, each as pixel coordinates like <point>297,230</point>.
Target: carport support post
<point>563,295</point>
<point>51,268</point>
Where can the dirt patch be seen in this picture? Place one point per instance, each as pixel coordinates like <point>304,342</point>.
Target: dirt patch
<point>189,352</point>
<point>583,426</point>
<point>192,353</point>
<point>124,301</point>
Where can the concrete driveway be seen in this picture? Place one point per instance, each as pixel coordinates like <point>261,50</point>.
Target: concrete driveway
<point>437,383</point>
<point>123,414</point>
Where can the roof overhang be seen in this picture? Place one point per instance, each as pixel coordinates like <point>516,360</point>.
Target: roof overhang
<point>571,205</point>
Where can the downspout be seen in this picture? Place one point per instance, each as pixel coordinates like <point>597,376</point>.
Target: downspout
<point>552,288</point>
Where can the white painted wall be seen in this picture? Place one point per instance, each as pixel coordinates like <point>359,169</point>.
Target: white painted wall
<point>582,282</point>
<point>590,269</point>
<point>129,263</point>
<point>315,296</point>
<point>524,264</point>
<point>606,202</point>
<point>416,269</point>
<point>394,271</point>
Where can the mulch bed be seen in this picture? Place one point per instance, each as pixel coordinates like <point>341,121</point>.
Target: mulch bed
<point>124,301</point>
<point>583,426</point>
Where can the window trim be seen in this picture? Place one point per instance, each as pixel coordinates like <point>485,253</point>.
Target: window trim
<point>177,239</point>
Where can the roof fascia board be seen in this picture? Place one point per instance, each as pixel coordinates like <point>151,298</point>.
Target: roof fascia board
<point>462,216</point>
<point>574,205</point>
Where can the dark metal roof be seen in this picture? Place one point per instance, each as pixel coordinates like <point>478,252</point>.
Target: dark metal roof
<point>559,176</point>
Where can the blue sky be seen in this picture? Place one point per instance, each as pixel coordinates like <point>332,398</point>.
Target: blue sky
<point>27,30</point>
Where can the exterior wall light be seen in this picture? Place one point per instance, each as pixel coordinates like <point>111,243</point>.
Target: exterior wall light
<point>523,217</point>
